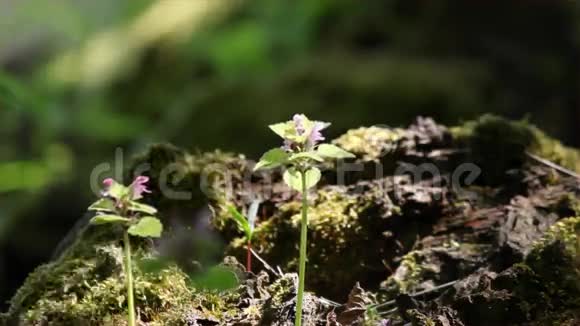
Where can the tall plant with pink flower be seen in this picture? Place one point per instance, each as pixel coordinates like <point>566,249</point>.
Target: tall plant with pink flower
<point>299,154</point>
<point>120,204</point>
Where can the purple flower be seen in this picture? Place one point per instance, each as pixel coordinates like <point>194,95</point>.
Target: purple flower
<point>288,145</point>
<point>299,123</point>
<point>138,187</point>
<point>310,129</point>
<point>385,322</point>
<point>108,183</point>
<point>316,135</point>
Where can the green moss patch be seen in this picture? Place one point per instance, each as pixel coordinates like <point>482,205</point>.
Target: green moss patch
<point>498,145</point>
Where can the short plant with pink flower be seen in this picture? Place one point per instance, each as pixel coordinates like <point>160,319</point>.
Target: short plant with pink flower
<point>299,155</point>
<point>120,204</point>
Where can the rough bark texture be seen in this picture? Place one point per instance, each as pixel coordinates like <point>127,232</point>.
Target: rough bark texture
<point>502,242</point>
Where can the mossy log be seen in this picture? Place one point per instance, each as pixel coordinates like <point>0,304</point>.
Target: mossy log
<point>419,207</point>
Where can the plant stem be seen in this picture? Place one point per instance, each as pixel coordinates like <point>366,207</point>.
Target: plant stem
<point>129,279</point>
<point>303,240</point>
<point>249,257</point>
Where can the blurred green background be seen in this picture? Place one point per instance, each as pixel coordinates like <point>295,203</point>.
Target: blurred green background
<point>79,79</point>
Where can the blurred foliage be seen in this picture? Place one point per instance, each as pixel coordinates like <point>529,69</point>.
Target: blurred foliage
<point>81,78</point>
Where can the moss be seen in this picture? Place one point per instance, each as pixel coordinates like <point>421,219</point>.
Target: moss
<point>420,319</point>
<point>556,259</point>
<point>70,292</point>
<point>415,271</point>
<point>86,286</point>
<point>182,171</point>
<point>370,143</point>
<point>340,223</point>
<point>495,144</point>
<point>498,145</point>
<point>190,181</point>
<point>409,274</point>
<point>545,287</point>
<point>283,289</point>
<point>553,150</point>
<point>332,218</point>
<point>279,307</point>
<point>566,232</point>
<point>424,268</point>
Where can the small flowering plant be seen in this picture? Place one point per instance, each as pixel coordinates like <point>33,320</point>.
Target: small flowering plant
<point>301,151</point>
<point>120,204</point>
<point>300,154</point>
<point>246,225</point>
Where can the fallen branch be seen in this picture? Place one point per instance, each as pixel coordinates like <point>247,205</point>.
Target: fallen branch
<point>553,165</point>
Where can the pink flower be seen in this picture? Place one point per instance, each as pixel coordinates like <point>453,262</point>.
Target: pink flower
<point>288,145</point>
<point>108,182</point>
<point>310,129</point>
<point>299,123</point>
<point>316,135</point>
<point>138,187</point>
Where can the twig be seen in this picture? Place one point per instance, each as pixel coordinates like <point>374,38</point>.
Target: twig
<point>329,302</point>
<point>553,165</point>
<point>279,273</point>
<point>437,288</point>
<point>268,267</point>
<point>417,294</point>
<point>385,304</point>
<point>388,312</point>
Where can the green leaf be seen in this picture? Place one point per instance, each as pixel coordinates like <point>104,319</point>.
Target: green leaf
<point>103,204</point>
<point>243,223</point>
<point>310,155</point>
<point>272,158</point>
<point>138,207</point>
<point>147,226</point>
<point>332,151</point>
<point>117,190</point>
<point>293,178</point>
<point>108,219</point>
<point>218,278</point>
<point>283,129</point>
